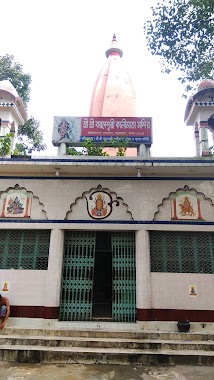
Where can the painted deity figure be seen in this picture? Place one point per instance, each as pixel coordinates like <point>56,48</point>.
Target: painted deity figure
<point>186,207</point>
<point>100,208</point>
<point>65,130</point>
<point>192,291</point>
<point>15,206</point>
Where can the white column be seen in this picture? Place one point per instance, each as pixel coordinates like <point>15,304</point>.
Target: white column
<point>53,284</point>
<point>62,149</point>
<point>203,139</point>
<point>143,271</point>
<point>5,129</point>
<point>196,135</point>
<point>143,150</point>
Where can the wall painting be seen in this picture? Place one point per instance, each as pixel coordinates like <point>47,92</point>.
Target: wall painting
<point>99,204</point>
<point>192,290</point>
<point>5,286</point>
<point>17,204</point>
<point>185,206</point>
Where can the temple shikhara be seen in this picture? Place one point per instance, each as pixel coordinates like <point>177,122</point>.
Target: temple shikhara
<point>120,240</point>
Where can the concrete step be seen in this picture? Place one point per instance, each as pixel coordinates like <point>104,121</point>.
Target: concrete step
<point>125,343</point>
<point>99,333</point>
<point>109,347</point>
<point>71,355</point>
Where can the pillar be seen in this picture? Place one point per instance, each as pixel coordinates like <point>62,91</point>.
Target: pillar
<point>197,145</point>
<point>62,149</point>
<point>143,275</point>
<point>143,150</point>
<point>53,284</point>
<point>203,138</point>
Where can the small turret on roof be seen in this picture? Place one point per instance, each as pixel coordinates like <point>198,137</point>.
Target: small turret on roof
<point>7,86</point>
<point>200,114</point>
<point>206,83</point>
<point>12,108</point>
<point>204,96</point>
<point>9,93</point>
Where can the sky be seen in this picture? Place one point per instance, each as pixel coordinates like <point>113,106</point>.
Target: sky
<point>62,45</point>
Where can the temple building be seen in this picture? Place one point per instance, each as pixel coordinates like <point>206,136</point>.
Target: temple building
<point>114,240</point>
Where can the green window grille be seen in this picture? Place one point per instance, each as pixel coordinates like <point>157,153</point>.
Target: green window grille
<point>182,252</point>
<point>24,249</point>
<point>124,277</point>
<point>77,276</point>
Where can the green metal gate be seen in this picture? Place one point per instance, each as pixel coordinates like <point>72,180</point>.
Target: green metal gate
<point>78,271</point>
<point>124,277</point>
<point>77,276</point>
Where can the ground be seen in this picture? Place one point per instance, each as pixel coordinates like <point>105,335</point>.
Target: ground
<point>13,371</point>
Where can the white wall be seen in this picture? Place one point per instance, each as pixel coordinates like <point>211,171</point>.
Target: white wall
<point>53,200</point>
<point>171,291</point>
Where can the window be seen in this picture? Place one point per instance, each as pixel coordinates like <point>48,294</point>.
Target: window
<point>182,252</point>
<point>24,249</point>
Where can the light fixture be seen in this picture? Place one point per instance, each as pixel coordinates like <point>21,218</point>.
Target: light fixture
<point>57,172</point>
<point>138,173</point>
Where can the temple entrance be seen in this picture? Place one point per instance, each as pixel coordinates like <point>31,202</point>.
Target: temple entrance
<point>98,276</point>
<point>102,283</point>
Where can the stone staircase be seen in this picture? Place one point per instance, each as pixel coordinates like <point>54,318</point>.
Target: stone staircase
<point>105,347</point>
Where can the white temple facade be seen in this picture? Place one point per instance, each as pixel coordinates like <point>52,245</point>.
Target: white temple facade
<point>109,239</point>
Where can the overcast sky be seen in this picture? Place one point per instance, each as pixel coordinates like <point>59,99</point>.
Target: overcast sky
<point>62,45</point>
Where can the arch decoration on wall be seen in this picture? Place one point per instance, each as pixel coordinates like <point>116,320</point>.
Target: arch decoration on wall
<point>100,204</point>
<point>183,204</point>
<point>17,202</point>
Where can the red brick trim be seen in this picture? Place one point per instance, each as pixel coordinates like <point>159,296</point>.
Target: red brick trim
<point>142,314</point>
<point>175,315</point>
<point>34,312</point>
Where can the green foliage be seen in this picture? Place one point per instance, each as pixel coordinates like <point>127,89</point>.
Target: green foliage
<point>92,149</point>
<point>120,145</point>
<point>17,152</point>
<point>71,151</point>
<point>30,137</point>
<point>5,144</point>
<point>12,71</point>
<point>211,149</point>
<point>89,149</point>
<point>181,34</point>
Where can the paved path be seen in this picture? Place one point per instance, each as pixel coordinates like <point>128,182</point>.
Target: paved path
<point>13,371</point>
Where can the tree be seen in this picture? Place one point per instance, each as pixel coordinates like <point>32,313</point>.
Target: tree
<point>30,137</point>
<point>181,34</point>
<point>5,144</point>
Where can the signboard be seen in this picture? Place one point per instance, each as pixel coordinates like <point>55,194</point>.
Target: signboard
<point>74,130</point>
